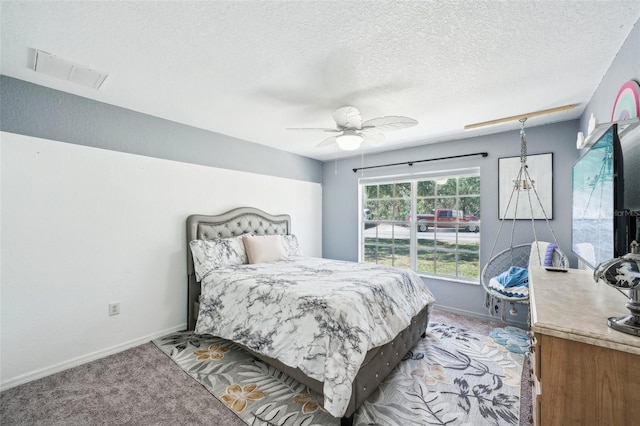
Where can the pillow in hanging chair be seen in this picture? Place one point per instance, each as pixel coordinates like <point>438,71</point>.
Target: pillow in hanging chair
<point>542,252</point>
<point>514,282</point>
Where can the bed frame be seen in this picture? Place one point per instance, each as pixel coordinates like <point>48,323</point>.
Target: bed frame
<point>378,362</point>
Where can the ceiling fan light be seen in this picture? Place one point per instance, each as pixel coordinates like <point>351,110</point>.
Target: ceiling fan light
<point>349,142</point>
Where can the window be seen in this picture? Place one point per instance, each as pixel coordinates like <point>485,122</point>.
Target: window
<point>430,224</point>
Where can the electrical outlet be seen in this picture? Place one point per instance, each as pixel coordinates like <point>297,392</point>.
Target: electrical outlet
<point>114,308</point>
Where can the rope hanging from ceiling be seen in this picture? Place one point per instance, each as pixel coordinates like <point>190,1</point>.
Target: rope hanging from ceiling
<point>518,255</point>
<point>526,184</point>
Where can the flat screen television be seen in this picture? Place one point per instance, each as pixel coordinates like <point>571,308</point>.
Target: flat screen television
<point>630,145</point>
<point>606,196</point>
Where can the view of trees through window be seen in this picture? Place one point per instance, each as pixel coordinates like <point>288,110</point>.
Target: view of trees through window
<point>442,236</point>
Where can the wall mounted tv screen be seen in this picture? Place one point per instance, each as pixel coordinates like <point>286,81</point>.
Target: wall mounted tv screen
<point>630,144</point>
<point>593,230</point>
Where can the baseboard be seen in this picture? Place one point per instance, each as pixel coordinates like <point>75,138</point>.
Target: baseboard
<point>473,314</point>
<point>43,372</point>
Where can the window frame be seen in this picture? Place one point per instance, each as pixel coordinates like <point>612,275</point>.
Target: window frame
<point>413,179</point>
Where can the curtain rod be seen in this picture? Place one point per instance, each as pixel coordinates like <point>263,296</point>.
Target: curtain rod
<point>411,163</point>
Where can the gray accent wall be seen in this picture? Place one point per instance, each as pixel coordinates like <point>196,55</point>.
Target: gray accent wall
<point>340,192</point>
<point>33,110</point>
<point>340,198</point>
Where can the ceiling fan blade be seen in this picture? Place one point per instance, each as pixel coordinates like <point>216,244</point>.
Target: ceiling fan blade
<point>314,129</point>
<point>327,141</point>
<point>348,117</point>
<point>372,136</point>
<point>390,122</point>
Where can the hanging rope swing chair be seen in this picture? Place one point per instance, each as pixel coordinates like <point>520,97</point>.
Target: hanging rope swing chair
<point>509,266</point>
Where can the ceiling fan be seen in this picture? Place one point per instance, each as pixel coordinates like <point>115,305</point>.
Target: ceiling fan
<point>352,131</point>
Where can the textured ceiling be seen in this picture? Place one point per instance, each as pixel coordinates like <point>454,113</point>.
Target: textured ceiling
<point>251,69</point>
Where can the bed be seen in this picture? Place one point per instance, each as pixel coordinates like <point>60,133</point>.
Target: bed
<point>207,292</point>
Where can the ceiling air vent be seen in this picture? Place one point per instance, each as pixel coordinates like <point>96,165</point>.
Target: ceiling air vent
<point>51,65</point>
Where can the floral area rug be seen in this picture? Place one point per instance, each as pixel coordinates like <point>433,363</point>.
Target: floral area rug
<point>513,338</point>
<point>450,377</point>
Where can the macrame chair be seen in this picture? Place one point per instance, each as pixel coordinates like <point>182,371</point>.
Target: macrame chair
<point>518,255</point>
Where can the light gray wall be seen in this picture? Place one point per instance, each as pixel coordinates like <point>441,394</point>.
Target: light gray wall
<point>32,110</point>
<point>340,198</point>
<point>625,67</point>
<point>340,213</point>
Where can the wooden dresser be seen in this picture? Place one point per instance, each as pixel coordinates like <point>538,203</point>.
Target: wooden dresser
<point>583,372</point>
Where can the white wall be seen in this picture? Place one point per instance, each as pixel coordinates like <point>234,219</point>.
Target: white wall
<point>83,227</point>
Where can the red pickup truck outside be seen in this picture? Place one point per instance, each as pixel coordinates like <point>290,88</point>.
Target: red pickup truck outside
<point>446,218</point>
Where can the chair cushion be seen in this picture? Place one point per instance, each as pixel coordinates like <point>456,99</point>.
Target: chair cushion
<point>515,276</point>
<point>514,282</point>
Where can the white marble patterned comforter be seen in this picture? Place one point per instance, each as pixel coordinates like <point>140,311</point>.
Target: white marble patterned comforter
<point>318,315</point>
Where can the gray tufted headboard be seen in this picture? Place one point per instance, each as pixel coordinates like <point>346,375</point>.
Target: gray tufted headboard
<point>238,221</point>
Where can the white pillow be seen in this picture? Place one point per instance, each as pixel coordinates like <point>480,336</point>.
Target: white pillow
<point>212,254</point>
<point>264,248</point>
<point>291,246</point>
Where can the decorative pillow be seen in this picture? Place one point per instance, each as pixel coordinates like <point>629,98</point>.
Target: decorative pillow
<point>264,248</point>
<point>542,253</point>
<point>291,246</point>
<point>212,254</point>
